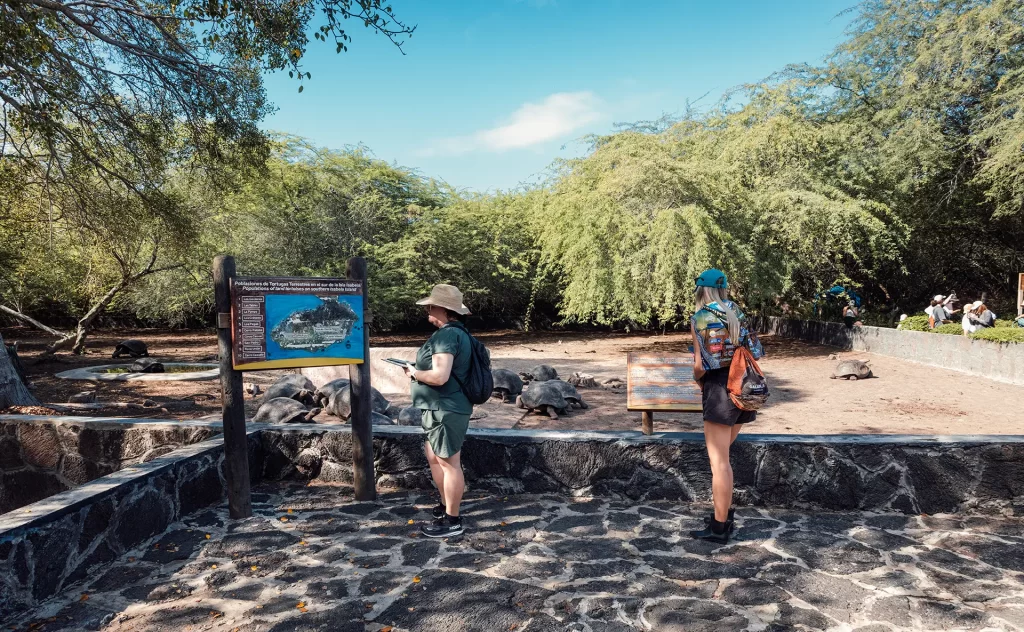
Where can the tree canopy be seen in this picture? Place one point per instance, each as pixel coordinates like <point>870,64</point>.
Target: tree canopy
<point>895,167</point>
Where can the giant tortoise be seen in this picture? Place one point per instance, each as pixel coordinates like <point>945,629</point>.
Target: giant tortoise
<point>544,398</point>
<point>569,392</point>
<point>293,386</point>
<point>284,410</point>
<point>131,348</point>
<point>340,404</point>
<point>323,394</point>
<point>507,385</point>
<point>852,370</point>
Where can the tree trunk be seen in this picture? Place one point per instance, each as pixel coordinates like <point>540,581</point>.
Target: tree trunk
<point>85,324</point>
<point>13,391</point>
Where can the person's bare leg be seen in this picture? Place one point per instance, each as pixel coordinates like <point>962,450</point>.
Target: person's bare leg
<point>718,437</point>
<point>735,433</point>
<point>435,469</point>
<point>454,482</point>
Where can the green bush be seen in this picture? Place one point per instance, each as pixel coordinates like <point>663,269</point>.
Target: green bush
<point>949,328</point>
<point>1000,324</point>
<point>915,323</point>
<point>1000,334</point>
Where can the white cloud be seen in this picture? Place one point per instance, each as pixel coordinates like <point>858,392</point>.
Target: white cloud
<point>531,124</point>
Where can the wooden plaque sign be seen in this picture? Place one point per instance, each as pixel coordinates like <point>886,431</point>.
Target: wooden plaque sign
<point>1020,295</point>
<point>279,322</point>
<point>661,382</point>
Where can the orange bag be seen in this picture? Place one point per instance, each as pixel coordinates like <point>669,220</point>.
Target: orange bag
<point>747,386</point>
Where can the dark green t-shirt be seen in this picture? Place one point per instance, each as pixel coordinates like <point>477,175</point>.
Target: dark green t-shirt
<point>448,339</point>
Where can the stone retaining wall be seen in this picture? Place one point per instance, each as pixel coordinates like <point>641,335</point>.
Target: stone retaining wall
<point>976,474</point>
<point>1003,362</point>
<point>39,458</point>
<point>52,544</point>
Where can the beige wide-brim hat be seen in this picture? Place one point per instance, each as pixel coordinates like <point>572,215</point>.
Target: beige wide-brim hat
<point>448,297</point>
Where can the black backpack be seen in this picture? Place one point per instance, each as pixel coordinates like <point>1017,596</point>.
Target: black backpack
<point>479,384</point>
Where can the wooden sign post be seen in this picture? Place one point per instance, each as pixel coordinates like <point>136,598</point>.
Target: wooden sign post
<point>1020,295</point>
<point>660,382</point>
<point>362,428</point>
<point>288,322</point>
<point>236,446</point>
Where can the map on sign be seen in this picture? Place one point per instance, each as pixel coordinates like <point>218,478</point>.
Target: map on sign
<point>661,382</point>
<point>296,322</point>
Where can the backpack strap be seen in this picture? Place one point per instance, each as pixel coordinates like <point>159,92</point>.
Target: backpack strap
<point>460,325</point>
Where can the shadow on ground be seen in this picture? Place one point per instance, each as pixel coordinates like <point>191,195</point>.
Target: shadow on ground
<point>312,559</point>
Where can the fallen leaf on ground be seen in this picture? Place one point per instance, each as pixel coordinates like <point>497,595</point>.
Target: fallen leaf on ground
<point>415,580</point>
<point>85,597</point>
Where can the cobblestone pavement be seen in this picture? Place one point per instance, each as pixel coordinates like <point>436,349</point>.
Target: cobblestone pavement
<point>314,560</point>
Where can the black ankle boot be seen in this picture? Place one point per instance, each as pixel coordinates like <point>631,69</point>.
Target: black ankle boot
<point>715,532</point>
<point>730,520</point>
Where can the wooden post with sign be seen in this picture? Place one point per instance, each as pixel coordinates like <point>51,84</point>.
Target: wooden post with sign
<point>290,323</point>
<point>660,382</point>
<point>236,446</point>
<point>362,428</point>
<point>1020,295</point>
<point>647,422</point>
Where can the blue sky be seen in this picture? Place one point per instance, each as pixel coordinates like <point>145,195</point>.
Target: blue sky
<point>490,92</point>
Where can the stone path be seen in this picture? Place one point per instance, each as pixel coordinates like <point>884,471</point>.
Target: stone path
<point>313,560</point>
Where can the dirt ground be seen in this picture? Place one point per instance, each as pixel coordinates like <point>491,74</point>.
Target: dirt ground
<point>903,398</point>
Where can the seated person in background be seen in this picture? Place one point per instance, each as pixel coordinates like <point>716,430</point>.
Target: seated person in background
<point>982,316</point>
<point>850,315</point>
<point>967,323</point>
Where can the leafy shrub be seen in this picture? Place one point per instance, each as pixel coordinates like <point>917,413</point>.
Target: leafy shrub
<point>949,328</point>
<point>1000,334</point>
<point>915,323</point>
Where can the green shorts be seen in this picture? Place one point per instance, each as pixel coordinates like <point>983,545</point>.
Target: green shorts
<point>445,431</point>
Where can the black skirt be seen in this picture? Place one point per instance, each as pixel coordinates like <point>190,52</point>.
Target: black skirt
<point>718,407</point>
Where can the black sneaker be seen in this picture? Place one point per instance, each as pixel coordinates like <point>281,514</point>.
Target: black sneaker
<point>716,531</point>
<point>730,521</point>
<point>439,511</point>
<point>445,527</point>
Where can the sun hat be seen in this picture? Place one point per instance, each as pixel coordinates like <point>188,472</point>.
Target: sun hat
<point>446,296</point>
<point>938,297</point>
<point>976,304</point>
<point>713,278</point>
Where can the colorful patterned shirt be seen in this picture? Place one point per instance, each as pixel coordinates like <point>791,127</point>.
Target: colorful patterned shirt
<point>710,327</point>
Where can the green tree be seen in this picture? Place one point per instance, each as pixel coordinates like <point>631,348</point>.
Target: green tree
<point>114,95</point>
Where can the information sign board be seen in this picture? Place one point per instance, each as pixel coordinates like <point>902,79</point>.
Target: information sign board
<point>280,322</point>
<point>661,382</point>
<point>1020,295</point>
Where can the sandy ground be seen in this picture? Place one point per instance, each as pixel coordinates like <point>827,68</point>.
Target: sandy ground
<point>903,398</point>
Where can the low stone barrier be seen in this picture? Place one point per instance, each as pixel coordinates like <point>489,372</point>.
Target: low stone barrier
<point>59,541</point>
<point>40,457</point>
<point>1003,362</point>
<point>902,473</point>
<point>49,546</point>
